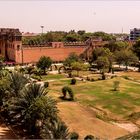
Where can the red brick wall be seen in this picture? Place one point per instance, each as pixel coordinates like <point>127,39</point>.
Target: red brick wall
<point>32,54</point>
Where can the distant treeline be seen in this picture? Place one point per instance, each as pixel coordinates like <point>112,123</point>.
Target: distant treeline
<point>71,36</point>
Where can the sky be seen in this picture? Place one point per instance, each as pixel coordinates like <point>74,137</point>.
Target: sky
<point>64,15</point>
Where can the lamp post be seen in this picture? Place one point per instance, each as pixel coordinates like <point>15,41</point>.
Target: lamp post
<point>42,27</point>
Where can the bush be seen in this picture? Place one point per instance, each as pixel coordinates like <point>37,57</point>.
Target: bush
<point>92,79</point>
<point>21,70</point>
<point>88,79</point>
<point>116,85</point>
<point>36,77</point>
<point>46,84</point>
<point>66,89</point>
<point>103,76</point>
<point>73,81</point>
<point>74,136</point>
<point>126,77</point>
<point>89,137</point>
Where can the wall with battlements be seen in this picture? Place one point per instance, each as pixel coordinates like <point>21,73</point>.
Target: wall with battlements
<point>32,54</point>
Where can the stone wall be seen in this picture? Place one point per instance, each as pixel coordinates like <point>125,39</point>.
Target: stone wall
<point>32,54</point>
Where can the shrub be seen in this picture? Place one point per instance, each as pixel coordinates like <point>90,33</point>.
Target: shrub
<point>36,77</point>
<point>89,137</point>
<point>73,81</point>
<point>126,77</point>
<point>92,79</point>
<point>46,84</point>
<point>21,70</point>
<point>66,89</point>
<point>74,136</point>
<point>103,76</point>
<point>116,85</point>
<point>88,79</point>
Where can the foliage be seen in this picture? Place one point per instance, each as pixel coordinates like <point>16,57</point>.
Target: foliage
<point>103,58</point>
<point>17,82</point>
<point>2,59</point>
<point>70,59</point>
<point>56,129</point>
<point>116,85</point>
<point>102,62</point>
<point>72,38</point>
<point>73,81</point>
<point>66,89</point>
<point>29,69</point>
<point>43,63</point>
<point>104,36</point>
<point>136,48</point>
<point>126,57</point>
<point>33,107</point>
<point>46,84</point>
<point>74,136</point>
<point>116,46</point>
<point>4,86</point>
<point>78,66</point>
<point>30,107</point>
<point>56,36</point>
<point>89,137</point>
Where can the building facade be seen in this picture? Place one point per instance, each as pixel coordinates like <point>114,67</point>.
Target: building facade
<point>12,49</point>
<point>134,34</point>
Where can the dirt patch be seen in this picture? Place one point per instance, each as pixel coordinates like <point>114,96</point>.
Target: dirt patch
<point>6,133</point>
<point>83,120</point>
<point>128,126</point>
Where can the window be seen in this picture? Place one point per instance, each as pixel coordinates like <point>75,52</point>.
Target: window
<point>18,47</point>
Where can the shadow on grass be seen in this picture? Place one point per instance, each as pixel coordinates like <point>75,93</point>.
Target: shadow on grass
<point>65,99</point>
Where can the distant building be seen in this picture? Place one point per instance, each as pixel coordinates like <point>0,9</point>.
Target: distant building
<point>134,34</point>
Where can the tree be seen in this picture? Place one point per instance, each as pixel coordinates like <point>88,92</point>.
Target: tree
<point>125,57</point>
<point>73,57</point>
<point>43,63</point>
<point>72,38</point>
<point>2,59</point>
<point>81,32</point>
<point>104,36</point>
<point>102,63</point>
<point>32,108</point>
<point>17,82</point>
<point>116,46</point>
<point>78,66</point>
<point>136,48</point>
<point>100,51</point>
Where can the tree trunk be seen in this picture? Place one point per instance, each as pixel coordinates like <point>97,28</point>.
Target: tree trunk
<point>44,71</point>
<point>126,68</point>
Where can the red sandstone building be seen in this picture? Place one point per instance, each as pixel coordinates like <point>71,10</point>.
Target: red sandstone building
<point>12,49</point>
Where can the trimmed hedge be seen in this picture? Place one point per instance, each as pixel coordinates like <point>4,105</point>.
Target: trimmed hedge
<point>66,89</point>
<point>73,81</point>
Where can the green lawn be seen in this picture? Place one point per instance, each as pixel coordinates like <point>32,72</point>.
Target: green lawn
<point>100,93</point>
<point>50,77</point>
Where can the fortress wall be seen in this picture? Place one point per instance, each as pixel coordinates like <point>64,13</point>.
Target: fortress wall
<point>32,54</point>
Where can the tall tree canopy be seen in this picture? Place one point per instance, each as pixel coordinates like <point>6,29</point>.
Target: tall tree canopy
<point>44,63</point>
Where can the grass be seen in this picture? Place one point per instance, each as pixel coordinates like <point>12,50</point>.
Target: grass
<point>50,77</point>
<point>100,94</point>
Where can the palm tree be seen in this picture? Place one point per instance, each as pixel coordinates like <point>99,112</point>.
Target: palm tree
<point>17,82</point>
<point>33,107</point>
<point>55,129</point>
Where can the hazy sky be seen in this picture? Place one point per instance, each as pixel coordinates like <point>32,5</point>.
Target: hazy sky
<point>108,16</point>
